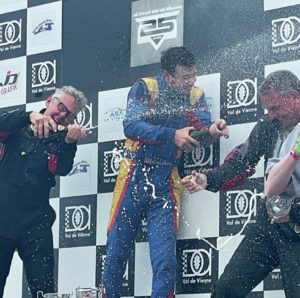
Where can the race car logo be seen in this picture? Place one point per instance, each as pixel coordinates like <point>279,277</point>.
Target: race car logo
<point>46,25</point>
<point>157,28</point>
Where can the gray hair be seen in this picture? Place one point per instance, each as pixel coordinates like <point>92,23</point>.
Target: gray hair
<point>283,81</point>
<point>80,99</point>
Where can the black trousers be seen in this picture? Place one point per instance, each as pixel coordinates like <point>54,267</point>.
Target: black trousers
<point>264,248</point>
<point>35,249</point>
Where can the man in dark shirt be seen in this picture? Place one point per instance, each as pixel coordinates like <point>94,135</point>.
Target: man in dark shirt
<point>265,245</point>
<point>33,150</point>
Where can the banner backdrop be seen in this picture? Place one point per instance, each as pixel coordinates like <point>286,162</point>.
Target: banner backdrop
<point>102,47</point>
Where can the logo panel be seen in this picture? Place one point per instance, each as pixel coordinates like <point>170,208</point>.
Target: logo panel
<point>110,154</point>
<point>82,179</point>
<point>156,29</point>
<point>285,31</point>
<point>155,25</point>
<point>44,28</point>
<point>283,34</point>
<point>12,34</point>
<point>78,221</point>
<point>197,266</point>
<point>237,204</point>
<point>199,159</point>
<point>241,103</point>
<point>87,119</point>
<point>112,110</point>
<point>43,71</point>
<point>12,82</point>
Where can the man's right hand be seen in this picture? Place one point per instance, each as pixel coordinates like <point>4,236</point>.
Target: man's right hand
<point>183,140</point>
<point>42,124</point>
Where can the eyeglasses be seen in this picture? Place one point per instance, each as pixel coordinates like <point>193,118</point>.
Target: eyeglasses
<point>62,108</point>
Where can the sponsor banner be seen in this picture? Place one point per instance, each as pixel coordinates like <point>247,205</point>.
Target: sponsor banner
<point>200,158</point>
<point>12,5</point>
<point>111,113</point>
<point>155,26</point>
<point>77,221</point>
<point>13,82</point>
<point>44,75</point>
<point>110,154</point>
<point>282,38</point>
<point>240,100</point>
<point>12,34</point>
<point>197,266</point>
<point>236,206</point>
<point>274,4</point>
<point>128,277</point>
<point>44,28</point>
<point>82,179</point>
<point>88,119</point>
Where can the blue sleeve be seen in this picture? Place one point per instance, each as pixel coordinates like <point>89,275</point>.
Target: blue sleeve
<point>136,123</point>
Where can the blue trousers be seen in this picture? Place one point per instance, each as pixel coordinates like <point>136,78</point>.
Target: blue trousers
<point>153,191</point>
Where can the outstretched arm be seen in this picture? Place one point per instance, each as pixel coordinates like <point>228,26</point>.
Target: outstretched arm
<point>241,161</point>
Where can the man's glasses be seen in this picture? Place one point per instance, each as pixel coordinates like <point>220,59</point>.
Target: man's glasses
<point>62,108</point>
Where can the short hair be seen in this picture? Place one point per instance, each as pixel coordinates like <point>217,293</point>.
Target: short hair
<point>175,56</point>
<point>282,80</point>
<point>80,99</point>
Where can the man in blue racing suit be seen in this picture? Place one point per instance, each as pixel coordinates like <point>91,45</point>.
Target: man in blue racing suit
<point>161,111</point>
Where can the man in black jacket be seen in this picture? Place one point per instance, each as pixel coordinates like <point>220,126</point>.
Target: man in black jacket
<point>32,152</point>
<point>265,245</point>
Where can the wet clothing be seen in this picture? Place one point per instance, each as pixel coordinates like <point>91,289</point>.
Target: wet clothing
<point>28,166</point>
<point>148,183</point>
<point>240,163</point>
<point>265,246</point>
